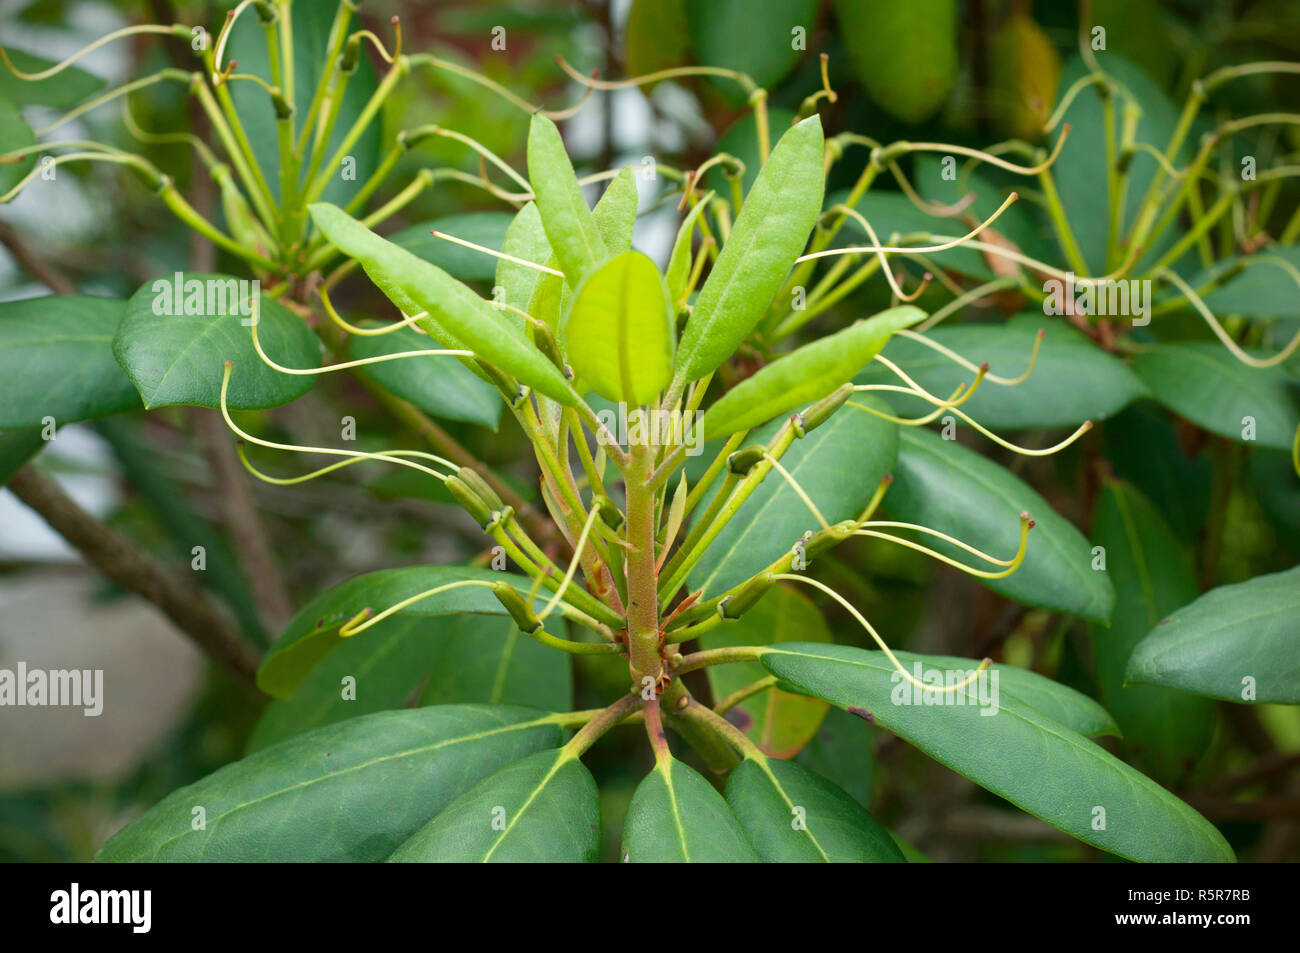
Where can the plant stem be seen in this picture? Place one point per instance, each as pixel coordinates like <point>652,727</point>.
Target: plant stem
<point>642,578</point>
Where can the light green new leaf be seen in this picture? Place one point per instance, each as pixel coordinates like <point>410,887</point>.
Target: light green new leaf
<point>679,262</point>
<point>1018,752</point>
<point>1240,643</point>
<point>456,315</point>
<point>56,360</point>
<point>615,213</point>
<point>942,485</point>
<point>351,791</point>
<point>780,723</point>
<point>839,465</point>
<point>793,816</point>
<point>570,226</point>
<point>1166,732</point>
<point>768,236</point>
<point>175,340</point>
<point>677,817</point>
<point>805,375</point>
<point>1073,379</point>
<point>438,384</point>
<point>905,53</point>
<point>619,331</point>
<point>525,239</point>
<point>314,632</point>
<point>543,809</point>
<point>1202,381</point>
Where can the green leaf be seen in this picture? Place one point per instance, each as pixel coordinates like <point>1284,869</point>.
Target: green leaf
<point>16,448</point>
<point>14,134</point>
<point>615,213</point>
<point>768,236</point>
<point>311,29</point>
<point>805,375</point>
<point>793,816</point>
<point>677,817</point>
<point>1142,446</point>
<point>570,226</point>
<point>1080,173</point>
<point>56,360</point>
<point>842,752</point>
<point>487,659</point>
<point>179,332</point>
<point>741,140</point>
<point>679,262</point>
<point>542,809</point>
<point>65,89</point>
<point>483,228</point>
<point>387,665</point>
<point>1203,382</point>
<point>439,385</point>
<point>314,632</point>
<point>352,791</point>
<point>526,239</point>
<point>1239,643</point>
<point>1263,289</point>
<point>839,465</point>
<point>757,37</point>
<point>456,316</point>
<point>1166,732</point>
<point>1072,381</point>
<point>904,53</point>
<point>1019,223</point>
<point>780,723</point>
<point>654,37</point>
<point>619,331</point>
<point>942,485</point>
<point>1020,753</point>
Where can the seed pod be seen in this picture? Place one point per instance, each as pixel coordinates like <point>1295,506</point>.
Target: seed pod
<point>471,501</point>
<point>745,459</point>
<point>737,604</point>
<point>820,412</point>
<point>610,514</point>
<point>474,481</point>
<point>519,609</point>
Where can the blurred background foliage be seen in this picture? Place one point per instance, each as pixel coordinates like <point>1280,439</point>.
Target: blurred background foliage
<point>970,72</point>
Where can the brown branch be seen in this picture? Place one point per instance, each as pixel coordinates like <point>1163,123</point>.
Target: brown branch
<point>122,561</point>
<point>33,264</point>
<point>242,521</point>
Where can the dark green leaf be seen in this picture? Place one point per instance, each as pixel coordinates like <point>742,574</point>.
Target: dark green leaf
<point>56,360</point>
<point>487,659</point>
<point>1018,752</point>
<point>842,752</point>
<point>1203,382</point>
<point>1240,643</point>
<point>1072,381</point>
<point>346,792</point>
<point>793,816</point>
<point>14,134</point>
<point>942,485</point>
<point>1165,731</point>
<point>905,53</point>
<point>179,332</point>
<point>314,632</point>
<point>757,37</point>
<point>439,385</point>
<point>677,817</point>
<point>542,809</point>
